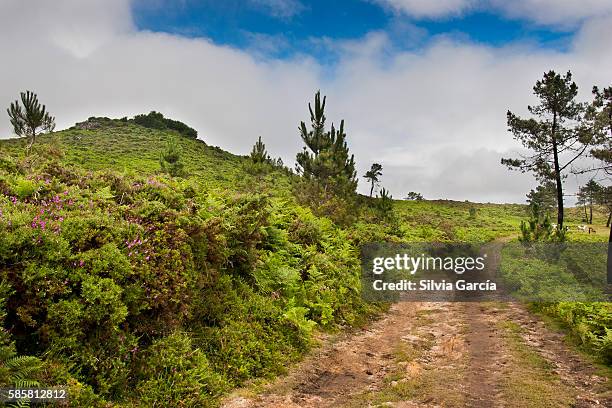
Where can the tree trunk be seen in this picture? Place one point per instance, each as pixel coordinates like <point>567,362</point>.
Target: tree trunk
<point>610,257</point>
<point>372,189</point>
<point>609,219</point>
<point>591,213</point>
<point>586,216</point>
<point>557,174</point>
<point>610,225</point>
<point>30,143</point>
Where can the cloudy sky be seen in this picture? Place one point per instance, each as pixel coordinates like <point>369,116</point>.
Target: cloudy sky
<point>423,85</point>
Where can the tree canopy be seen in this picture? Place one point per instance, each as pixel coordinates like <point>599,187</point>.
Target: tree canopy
<point>553,133</point>
<point>156,120</point>
<point>325,158</point>
<point>30,118</point>
<point>373,175</point>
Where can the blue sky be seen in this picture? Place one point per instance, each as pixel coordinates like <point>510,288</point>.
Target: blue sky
<point>288,26</point>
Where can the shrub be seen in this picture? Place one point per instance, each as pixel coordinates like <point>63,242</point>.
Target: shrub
<point>173,370</point>
<point>25,188</point>
<point>156,120</point>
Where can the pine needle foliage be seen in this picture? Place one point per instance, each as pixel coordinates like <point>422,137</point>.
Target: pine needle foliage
<point>373,176</point>
<point>259,154</point>
<point>170,160</point>
<point>29,118</point>
<point>325,158</point>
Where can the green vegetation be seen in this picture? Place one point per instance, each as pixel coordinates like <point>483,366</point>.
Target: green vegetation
<point>413,195</point>
<point>30,117</point>
<point>567,283</point>
<point>373,175</point>
<point>530,380</point>
<point>155,120</point>
<point>130,280</point>
<point>325,160</point>
<point>551,132</point>
<point>170,160</point>
<point>138,265</point>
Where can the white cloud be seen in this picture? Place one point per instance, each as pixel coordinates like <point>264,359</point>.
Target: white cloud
<point>78,27</point>
<point>280,8</point>
<point>435,118</point>
<point>428,8</point>
<point>563,13</point>
<point>554,12</point>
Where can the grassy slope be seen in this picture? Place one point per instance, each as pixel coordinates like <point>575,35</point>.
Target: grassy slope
<point>133,152</point>
<point>130,148</point>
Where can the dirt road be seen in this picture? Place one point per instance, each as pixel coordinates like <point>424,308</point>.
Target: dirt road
<point>448,354</point>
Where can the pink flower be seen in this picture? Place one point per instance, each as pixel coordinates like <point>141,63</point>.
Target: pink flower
<point>81,263</point>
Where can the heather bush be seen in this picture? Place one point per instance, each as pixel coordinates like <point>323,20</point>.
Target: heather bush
<point>129,283</point>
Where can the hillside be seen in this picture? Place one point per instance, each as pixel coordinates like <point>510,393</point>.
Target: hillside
<point>133,286</point>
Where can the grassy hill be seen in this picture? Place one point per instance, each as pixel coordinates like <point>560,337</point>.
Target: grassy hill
<point>132,286</point>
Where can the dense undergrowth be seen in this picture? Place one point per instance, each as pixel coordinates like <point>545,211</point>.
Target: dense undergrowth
<point>131,286</point>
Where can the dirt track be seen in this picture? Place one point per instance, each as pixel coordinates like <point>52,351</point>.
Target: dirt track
<point>474,354</point>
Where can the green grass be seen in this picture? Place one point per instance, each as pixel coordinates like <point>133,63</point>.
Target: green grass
<point>530,380</point>
<point>227,263</point>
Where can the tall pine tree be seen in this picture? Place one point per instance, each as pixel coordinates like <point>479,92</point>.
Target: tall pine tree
<point>552,133</point>
<point>325,158</point>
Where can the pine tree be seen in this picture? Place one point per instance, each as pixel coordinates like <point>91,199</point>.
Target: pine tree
<point>604,198</point>
<point>599,117</point>
<point>552,131</point>
<point>542,201</point>
<point>325,158</point>
<point>600,112</point>
<point>587,196</point>
<point>414,196</point>
<point>259,155</point>
<point>31,119</point>
<point>385,202</point>
<point>170,160</point>
<point>372,175</point>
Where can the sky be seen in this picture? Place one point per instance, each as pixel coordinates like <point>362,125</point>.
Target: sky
<point>423,85</point>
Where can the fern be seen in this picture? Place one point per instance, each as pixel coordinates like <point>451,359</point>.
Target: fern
<point>15,371</point>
